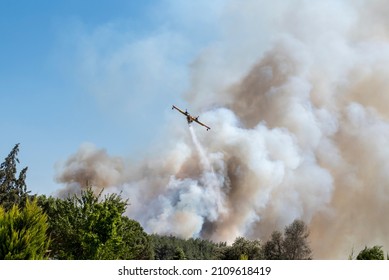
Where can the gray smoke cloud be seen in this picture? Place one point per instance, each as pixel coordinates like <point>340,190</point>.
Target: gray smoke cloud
<point>90,167</point>
<point>300,130</point>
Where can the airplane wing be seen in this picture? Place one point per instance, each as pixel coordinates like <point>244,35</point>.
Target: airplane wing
<point>179,110</point>
<point>200,123</point>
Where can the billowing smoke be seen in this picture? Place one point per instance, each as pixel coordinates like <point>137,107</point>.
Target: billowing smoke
<point>300,130</point>
<point>91,167</point>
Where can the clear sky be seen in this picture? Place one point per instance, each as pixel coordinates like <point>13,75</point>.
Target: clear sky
<point>92,71</point>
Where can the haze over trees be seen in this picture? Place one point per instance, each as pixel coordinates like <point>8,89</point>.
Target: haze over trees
<point>90,226</point>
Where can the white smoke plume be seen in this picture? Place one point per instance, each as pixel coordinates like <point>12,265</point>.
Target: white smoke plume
<point>297,95</point>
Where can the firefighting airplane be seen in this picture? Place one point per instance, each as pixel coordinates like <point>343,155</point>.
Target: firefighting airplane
<point>189,118</point>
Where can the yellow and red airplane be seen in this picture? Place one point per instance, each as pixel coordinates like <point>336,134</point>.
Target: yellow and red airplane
<point>189,118</point>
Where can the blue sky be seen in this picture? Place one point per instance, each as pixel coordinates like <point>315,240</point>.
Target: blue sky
<point>92,71</point>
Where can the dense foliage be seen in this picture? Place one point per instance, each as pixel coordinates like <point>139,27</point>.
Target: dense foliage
<point>373,253</point>
<point>91,227</point>
<point>244,249</point>
<point>171,248</point>
<point>23,233</point>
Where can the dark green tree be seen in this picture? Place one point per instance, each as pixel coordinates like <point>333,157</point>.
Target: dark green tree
<point>136,244</point>
<point>164,247</point>
<point>179,254</point>
<point>23,233</point>
<point>13,189</point>
<point>202,249</point>
<point>91,227</point>
<point>373,253</point>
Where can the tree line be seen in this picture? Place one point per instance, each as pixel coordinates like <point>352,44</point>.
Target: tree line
<point>89,226</point>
